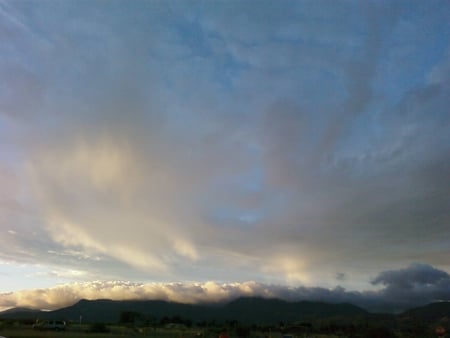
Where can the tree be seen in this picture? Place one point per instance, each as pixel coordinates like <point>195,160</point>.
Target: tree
<point>129,317</point>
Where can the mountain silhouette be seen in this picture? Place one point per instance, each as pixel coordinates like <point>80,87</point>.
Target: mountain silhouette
<point>434,312</point>
<point>244,310</point>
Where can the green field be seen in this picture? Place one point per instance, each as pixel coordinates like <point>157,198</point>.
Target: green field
<point>115,332</point>
<point>121,332</point>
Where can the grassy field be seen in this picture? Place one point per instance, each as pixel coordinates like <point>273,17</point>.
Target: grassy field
<point>17,330</point>
<point>118,332</point>
<point>29,333</point>
<point>114,333</point>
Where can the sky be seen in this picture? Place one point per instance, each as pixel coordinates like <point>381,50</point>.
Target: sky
<point>205,150</point>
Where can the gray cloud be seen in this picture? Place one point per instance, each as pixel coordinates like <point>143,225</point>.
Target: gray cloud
<point>173,145</point>
<point>416,284</point>
<point>414,275</point>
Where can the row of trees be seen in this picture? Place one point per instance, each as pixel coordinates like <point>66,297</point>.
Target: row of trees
<point>361,327</point>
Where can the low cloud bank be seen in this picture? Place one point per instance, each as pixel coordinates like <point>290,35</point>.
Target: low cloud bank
<point>415,285</point>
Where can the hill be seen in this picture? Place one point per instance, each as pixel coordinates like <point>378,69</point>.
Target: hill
<point>430,313</point>
<point>19,310</point>
<point>259,310</point>
<point>244,310</point>
<point>20,313</point>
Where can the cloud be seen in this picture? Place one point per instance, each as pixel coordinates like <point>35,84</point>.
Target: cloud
<point>340,276</point>
<point>67,294</point>
<point>416,285</point>
<point>415,275</point>
<point>191,143</point>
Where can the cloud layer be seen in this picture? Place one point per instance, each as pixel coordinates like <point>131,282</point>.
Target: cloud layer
<point>296,144</point>
<point>416,285</point>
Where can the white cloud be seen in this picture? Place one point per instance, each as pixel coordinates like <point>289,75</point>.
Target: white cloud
<point>415,285</point>
<point>67,294</point>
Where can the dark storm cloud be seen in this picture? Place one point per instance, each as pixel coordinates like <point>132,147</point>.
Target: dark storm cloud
<point>416,275</point>
<point>417,284</point>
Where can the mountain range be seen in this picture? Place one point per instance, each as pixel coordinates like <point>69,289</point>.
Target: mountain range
<point>251,310</point>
